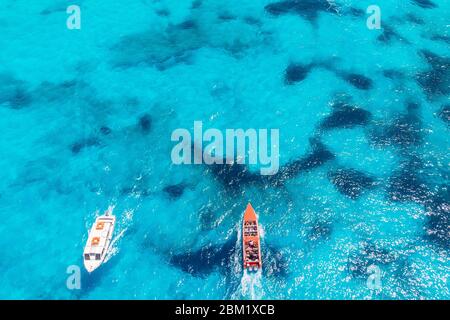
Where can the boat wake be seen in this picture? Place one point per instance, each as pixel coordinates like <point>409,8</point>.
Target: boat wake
<point>251,285</point>
<point>113,249</point>
<point>261,231</point>
<point>122,227</point>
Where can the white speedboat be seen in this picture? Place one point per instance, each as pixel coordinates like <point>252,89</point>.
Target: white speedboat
<point>98,241</point>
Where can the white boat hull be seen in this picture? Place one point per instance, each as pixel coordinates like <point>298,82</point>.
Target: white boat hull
<point>98,242</point>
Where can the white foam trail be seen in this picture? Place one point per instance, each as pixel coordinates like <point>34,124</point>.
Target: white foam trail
<point>236,258</point>
<point>251,282</point>
<point>261,231</point>
<point>113,250</point>
<point>251,285</point>
<point>125,222</point>
<point>110,209</point>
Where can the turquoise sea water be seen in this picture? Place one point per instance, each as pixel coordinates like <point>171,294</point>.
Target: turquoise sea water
<point>86,117</point>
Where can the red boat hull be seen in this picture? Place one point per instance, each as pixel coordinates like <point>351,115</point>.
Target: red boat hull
<point>251,244</point>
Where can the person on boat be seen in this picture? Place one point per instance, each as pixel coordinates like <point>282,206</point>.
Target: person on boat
<point>253,256</point>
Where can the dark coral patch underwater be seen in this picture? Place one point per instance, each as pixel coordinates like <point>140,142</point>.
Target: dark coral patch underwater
<point>436,81</point>
<point>84,143</point>
<point>296,73</point>
<point>145,123</point>
<point>389,34</point>
<point>426,4</point>
<point>236,176</point>
<point>346,116</point>
<point>358,81</point>
<point>318,156</point>
<point>404,130</point>
<point>351,182</point>
<point>174,191</point>
<point>212,257</point>
<point>444,113</point>
<point>406,184</point>
<point>14,93</point>
<point>437,225</point>
<point>308,9</point>
<point>366,255</point>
